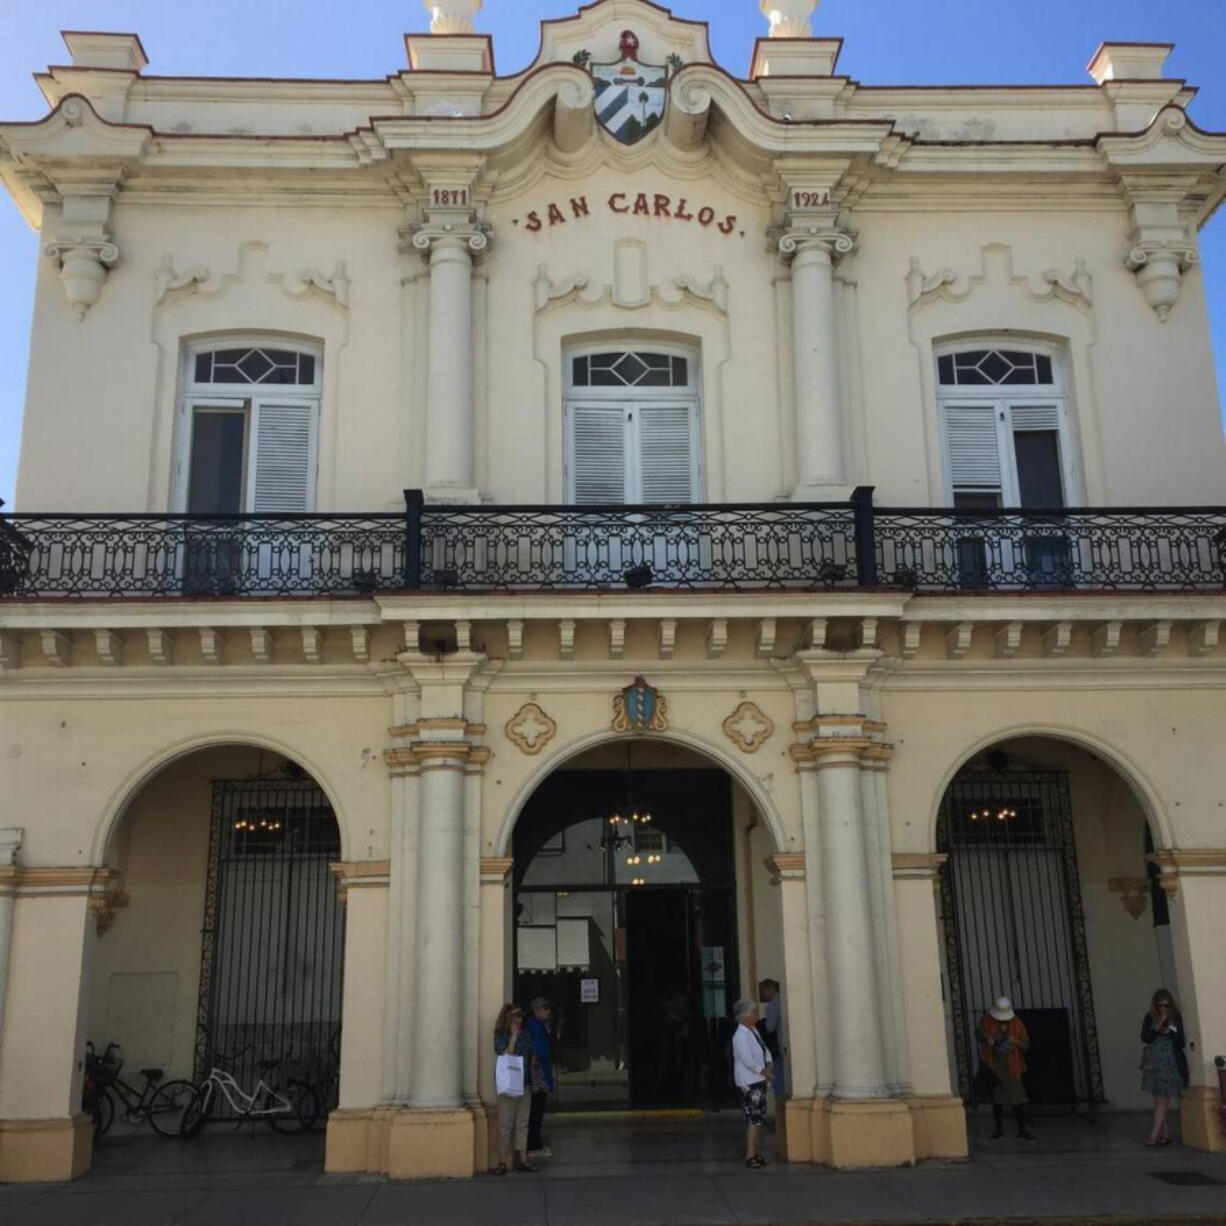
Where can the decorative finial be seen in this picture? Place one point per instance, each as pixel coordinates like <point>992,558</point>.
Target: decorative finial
<point>789,18</point>
<point>452,16</point>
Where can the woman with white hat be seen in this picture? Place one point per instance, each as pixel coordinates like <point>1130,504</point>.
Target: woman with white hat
<point>1003,1042</point>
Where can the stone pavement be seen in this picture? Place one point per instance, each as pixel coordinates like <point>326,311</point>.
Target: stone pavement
<point>624,1172</point>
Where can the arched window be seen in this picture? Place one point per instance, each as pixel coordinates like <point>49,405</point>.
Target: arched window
<point>632,425</point>
<point>1004,426</point>
<point>249,416</point>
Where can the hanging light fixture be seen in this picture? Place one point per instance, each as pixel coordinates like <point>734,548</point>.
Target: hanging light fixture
<point>621,824</point>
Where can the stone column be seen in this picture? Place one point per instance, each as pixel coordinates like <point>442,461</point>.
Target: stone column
<point>885,921</point>
<point>813,249</point>
<point>450,238</point>
<point>867,1124</point>
<point>438,976</point>
<point>850,946</point>
<point>10,844</point>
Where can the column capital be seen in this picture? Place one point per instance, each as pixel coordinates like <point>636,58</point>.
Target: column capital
<point>785,866</point>
<point>446,743</point>
<point>360,874</point>
<point>447,234</point>
<point>831,241</point>
<point>1176,863</point>
<point>924,865</point>
<point>496,870</point>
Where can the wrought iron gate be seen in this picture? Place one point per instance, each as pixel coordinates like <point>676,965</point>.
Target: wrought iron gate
<point>1014,925</point>
<point>273,939</point>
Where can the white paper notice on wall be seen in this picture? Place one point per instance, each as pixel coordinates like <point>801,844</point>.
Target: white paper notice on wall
<point>589,991</point>
<point>573,947</point>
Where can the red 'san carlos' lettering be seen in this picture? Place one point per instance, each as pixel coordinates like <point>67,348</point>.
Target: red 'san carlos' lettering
<point>636,204</point>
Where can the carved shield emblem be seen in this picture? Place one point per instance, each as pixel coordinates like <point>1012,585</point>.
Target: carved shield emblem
<point>639,708</point>
<point>630,95</point>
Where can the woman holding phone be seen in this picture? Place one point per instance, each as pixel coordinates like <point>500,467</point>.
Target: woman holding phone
<point>1164,1065</point>
<point>511,1039</point>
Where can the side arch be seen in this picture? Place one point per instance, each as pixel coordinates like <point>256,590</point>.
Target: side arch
<point>117,804</point>
<point>714,753</point>
<point>1129,771</point>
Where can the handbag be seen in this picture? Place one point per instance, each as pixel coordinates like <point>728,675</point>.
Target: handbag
<point>984,1084</point>
<point>509,1075</point>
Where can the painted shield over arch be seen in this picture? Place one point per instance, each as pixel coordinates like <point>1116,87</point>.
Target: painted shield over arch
<point>630,98</point>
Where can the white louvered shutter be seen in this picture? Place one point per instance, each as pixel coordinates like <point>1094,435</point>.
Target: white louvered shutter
<point>666,452</point>
<point>1035,417</point>
<point>973,445</point>
<point>597,453</point>
<point>283,476</point>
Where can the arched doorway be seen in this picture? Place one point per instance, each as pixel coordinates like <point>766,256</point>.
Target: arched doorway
<point>1047,897</point>
<point>642,907</point>
<point>221,938</point>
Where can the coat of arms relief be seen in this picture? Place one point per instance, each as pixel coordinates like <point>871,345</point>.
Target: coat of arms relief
<point>630,95</point>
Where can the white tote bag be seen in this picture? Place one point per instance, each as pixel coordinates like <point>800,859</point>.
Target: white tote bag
<point>509,1075</point>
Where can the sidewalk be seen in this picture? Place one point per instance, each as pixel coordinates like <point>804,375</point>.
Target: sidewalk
<point>631,1173</point>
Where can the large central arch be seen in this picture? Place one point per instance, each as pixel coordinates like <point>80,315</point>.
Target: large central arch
<point>752,785</point>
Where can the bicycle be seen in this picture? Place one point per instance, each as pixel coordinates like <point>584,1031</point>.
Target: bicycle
<point>161,1103</point>
<point>295,1110</point>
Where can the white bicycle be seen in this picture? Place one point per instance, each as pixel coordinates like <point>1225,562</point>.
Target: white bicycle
<point>292,1109</point>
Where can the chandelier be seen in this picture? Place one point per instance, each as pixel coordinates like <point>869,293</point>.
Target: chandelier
<point>620,825</point>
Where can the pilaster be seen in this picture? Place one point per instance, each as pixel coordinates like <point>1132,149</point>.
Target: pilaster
<point>813,238</point>
<point>449,232</point>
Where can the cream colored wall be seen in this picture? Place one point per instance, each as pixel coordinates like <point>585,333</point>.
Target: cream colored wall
<point>145,968</point>
<point>100,430</point>
<point>77,764</point>
<point>103,425</point>
<point>1137,387</point>
<point>1159,737</point>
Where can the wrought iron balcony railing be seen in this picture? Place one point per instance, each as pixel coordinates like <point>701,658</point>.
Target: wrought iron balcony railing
<point>799,546</point>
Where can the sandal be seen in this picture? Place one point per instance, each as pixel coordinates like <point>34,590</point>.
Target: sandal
<point>1152,1144</point>
<point>756,1163</point>
<point>525,1166</point>
<point>500,1169</point>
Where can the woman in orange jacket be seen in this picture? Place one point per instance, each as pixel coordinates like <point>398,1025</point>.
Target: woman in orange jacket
<point>1004,1041</point>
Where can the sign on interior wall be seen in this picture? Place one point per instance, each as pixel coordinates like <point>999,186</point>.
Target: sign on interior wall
<point>589,991</point>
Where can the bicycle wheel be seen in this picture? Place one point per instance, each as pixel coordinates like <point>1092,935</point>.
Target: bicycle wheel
<point>305,1112</point>
<point>101,1108</point>
<point>168,1107</point>
<point>197,1110</point>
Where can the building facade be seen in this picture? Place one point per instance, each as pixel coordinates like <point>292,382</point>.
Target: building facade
<point>617,531</point>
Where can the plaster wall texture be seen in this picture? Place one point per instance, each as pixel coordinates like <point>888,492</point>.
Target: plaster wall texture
<point>79,766</point>
<point>106,425</point>
<point>977,240</point>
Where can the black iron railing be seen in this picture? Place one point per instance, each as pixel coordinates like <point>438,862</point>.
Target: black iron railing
<point>431,547</point>
<point>1123,549</point>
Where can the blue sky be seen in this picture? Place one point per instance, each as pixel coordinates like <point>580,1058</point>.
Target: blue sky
<point>887,41</point>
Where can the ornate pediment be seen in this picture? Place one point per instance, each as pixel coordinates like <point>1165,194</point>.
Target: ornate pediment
<point>595,32</point>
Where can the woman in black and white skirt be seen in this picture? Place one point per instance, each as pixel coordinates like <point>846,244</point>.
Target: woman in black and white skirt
<point>1164,1064</point>
<point>751,1070</point>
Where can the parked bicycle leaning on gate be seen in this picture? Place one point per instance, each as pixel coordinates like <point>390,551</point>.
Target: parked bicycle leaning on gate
<point>161,1103</point>
<point>292,1109</point>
